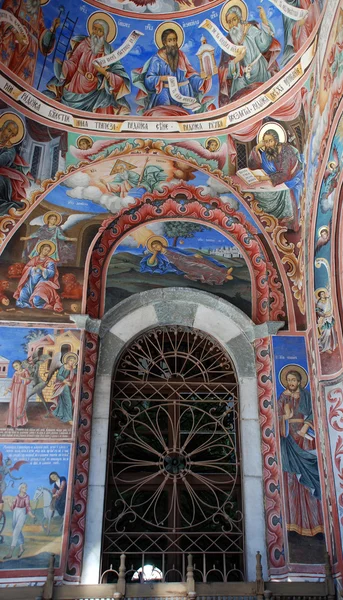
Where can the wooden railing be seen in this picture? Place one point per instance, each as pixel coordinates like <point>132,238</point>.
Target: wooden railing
<point>188,590</point>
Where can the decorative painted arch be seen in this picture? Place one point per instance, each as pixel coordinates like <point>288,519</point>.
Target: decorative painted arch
<point>185,201</point>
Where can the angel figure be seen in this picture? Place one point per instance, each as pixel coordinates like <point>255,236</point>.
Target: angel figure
<point>324,236</point>
<point>52,229</point>
<point>213,150</point>
<point>331,174</point>
<point>86,148</point>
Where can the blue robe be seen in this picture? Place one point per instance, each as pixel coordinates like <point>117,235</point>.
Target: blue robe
<point>148,79</point>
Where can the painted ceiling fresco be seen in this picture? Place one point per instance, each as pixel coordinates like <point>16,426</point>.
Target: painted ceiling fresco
<point>90,61</point>
<point>186,144</point>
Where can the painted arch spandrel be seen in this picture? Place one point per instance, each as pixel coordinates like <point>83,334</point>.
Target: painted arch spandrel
<point>124,66</point>
<point>179,254</point>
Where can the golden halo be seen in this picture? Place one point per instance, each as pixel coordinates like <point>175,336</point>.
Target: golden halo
<point>47,243</point>
<point>276,127</point>
<point>213,139</point>
<point>240,4</point>
<point>323,228</point>
<point>44,2</point>
<point>49,214</point>
<point>169,25</point>
<point>319,290</point>
<point>84,137</point>
<point>156,238</point>
<point>285,370</point>
<point>332,165</point>
<point>9,116</point>
<point>112,25</point>
<point>70,355</point>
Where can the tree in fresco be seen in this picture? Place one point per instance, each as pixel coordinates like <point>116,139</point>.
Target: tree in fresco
<point>179,229</point>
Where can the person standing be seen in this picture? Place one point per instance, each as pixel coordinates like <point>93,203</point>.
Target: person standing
<point>59,492</point>
<point>17,416</point>
<point>298,455</point>
<point>21,507</point>
<point>65,387</point>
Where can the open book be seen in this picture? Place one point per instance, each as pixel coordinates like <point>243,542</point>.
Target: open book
<point>250,176</point>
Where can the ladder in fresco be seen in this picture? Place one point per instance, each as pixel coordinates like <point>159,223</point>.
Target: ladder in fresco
<point>63,40</point>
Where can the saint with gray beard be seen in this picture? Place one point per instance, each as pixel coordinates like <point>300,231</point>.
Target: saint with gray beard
<point>19,53</point>
<point>255,63</point>
<point>82,84</point>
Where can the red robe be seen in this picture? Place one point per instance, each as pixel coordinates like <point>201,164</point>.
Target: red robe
<point>22,58</point>
<point>20,381</point>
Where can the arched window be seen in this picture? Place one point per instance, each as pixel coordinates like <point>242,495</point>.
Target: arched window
<point>173,482</point>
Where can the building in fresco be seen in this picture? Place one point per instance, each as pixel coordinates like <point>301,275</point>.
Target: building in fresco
<point>171,369</point>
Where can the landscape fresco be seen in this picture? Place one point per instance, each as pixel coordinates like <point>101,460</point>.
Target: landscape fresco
<point>178,254</point>
<point>30,470</point>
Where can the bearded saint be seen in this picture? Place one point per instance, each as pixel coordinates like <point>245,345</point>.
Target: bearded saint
<point>20,53</point>
<point>13,180</point>
<point>152,79</point>
<point>299,459</point>
<point>81,83</point>
<point>281,164</point>
<point>254,64</point>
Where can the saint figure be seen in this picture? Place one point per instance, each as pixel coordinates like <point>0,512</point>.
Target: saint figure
<point>124,179</point>
<point>255,63</point>
<point>82,84</point>
<point>327,337</point>
<point>16,416</point>
<point>281,163</point>
<point>20,53</point>
<point>13,180</point>
<point>152,78</point>
<point>59,492</point>
<point>195,267</point>
<point>39,283</point>
<point>297,32</point>
<point>65,388</point>
<point>298,457</point>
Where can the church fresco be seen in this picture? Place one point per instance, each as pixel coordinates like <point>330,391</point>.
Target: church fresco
<point>34,505</point>
<point>179,254</point>
<point>38,382</point>
<point>122,66</point>
<point>298,446</point>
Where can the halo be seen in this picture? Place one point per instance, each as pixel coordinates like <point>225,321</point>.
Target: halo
<point>44,2</point>
<point>277,127</point>
<point>49,214</point>
<point>70,355</point>
<point>213,139</point>
<point>112,33</point>
<point>319,290</point>
<point>169,25</point>
<point>323,228</point>
<point>156,238</point>
<point>47,243</point>
<point>9,116</point>
<point>240,4</point>
<point>332,165</point>
<point>285,370</point>
<point>84,137</point>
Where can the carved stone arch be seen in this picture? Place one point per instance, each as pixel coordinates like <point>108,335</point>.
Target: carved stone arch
<point>235,332</point>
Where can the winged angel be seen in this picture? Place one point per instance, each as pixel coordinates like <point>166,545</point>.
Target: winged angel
<point>213,150</point>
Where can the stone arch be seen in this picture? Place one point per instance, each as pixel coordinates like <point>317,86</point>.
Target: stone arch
<point>236,333</point>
